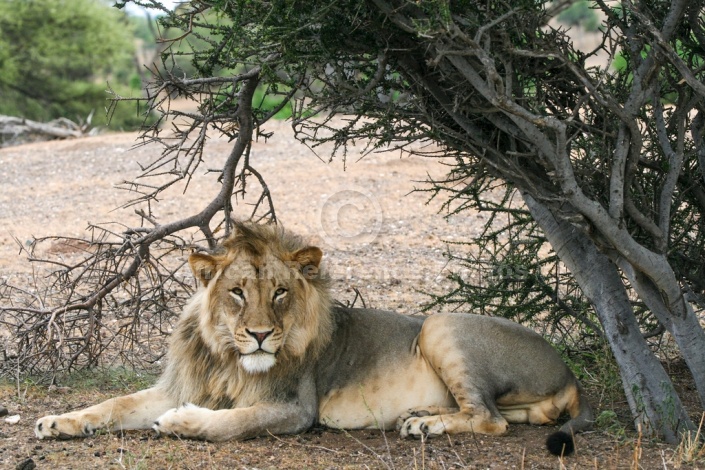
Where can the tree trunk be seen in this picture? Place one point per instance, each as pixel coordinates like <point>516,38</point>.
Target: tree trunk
<point>654,403</point>
<point>685,327</point>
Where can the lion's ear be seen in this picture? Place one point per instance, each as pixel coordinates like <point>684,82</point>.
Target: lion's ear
<point>203,267</point>
<point>309,256</point>
<point>309,260</point>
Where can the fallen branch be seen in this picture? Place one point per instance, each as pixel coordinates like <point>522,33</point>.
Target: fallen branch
<point>15,130</point>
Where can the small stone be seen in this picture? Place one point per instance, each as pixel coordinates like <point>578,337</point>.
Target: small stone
<point>26,465</point>
<point>14,419</point>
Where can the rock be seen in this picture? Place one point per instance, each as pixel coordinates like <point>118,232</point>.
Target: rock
<point>14,419</point>
<point>26,465</point>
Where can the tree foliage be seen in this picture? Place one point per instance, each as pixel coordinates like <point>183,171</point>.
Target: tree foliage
<point>56,56</point>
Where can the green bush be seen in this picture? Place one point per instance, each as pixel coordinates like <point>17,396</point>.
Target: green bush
<point>58,56</point>
<point>580,14</point>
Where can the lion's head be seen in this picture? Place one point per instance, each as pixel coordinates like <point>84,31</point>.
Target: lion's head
<point>264,297</point>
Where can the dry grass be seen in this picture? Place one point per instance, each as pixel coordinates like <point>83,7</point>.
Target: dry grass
<point>692,447</point>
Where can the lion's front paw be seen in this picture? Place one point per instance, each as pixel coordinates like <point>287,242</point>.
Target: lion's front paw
<point>187,421</point>
<point>421,427</point>
<point>63,427</point>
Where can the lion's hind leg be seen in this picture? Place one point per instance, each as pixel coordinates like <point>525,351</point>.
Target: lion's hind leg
<point>453,359</point>
<point>434,421</point>
<point>537,413</point>
<point>423,411</point>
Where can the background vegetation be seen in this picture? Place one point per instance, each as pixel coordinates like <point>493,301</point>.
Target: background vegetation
<point>58,58</point>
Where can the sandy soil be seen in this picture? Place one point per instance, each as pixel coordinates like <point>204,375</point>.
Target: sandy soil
<point>379,237</point>
<point>374,230</point>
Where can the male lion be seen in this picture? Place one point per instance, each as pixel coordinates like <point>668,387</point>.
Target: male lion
<point>261,349</point>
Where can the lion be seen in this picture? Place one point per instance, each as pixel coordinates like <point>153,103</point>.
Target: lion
<point>261,348</point>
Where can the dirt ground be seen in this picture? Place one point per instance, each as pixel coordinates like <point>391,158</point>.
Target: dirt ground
<point>378,237</point>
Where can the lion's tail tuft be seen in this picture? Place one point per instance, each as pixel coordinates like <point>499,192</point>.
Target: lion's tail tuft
<point>560,443</point>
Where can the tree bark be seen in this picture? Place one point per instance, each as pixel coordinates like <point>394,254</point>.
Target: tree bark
<point>684,327</point>
<point>655,405</point>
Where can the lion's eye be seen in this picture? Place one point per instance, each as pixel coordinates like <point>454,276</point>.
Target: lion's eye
<point>279,292</point>
<point>237,291</point>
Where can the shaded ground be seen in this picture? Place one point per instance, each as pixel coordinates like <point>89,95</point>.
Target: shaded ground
<point>378,238</point>
<point>522,448</point>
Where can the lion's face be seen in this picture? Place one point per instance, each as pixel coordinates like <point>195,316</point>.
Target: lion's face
<point>252,302</point>
<point>257,303</point>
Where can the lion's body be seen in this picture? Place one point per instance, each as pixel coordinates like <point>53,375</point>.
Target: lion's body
<point>437,361</point>
<point>260,349</point>
<point>357,389</point>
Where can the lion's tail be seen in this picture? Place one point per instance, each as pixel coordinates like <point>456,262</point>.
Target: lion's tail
<point>581,419</point>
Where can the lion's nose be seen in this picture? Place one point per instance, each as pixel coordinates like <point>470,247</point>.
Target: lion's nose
<point>260,336</point>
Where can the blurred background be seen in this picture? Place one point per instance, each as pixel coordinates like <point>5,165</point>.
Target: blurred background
<point>65,59</point>
<point>61,58</point>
